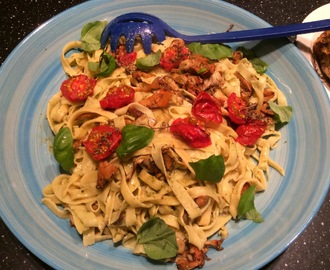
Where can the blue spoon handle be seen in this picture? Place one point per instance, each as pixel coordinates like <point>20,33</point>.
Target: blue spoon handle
<point>258,34</point>
<point>145,25</point>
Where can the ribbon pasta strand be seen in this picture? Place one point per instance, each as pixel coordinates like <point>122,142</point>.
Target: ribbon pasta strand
<point>156,180</point>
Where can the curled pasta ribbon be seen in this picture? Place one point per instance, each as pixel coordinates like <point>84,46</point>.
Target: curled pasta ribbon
<point>146,184</point>
<point>69,62</point>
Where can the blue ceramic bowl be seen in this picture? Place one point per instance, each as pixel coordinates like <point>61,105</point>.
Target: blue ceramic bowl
<point>32,74</point>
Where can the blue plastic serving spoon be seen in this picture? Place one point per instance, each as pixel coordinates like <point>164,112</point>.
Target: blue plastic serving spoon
<point>146,26</point>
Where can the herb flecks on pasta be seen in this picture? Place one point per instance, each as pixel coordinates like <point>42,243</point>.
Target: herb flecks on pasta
<point>162,150</point>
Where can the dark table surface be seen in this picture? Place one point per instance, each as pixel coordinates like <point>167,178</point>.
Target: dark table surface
<point>311,250</point>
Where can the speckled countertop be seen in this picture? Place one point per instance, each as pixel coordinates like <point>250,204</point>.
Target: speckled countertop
<point>311,250</point>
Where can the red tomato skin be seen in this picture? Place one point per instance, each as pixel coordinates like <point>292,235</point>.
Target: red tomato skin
<point>102,141</point>
<point>248,134</point>
<point>205,109</point>
<point>117,97</point>
<point>190,133</point>
<point>127,59</point>
<point>123,58</point>
<point>237,109</point>
<point>173,56</point>
<point>78,88</point>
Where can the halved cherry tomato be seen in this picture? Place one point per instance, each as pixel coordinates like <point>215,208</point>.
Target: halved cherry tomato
<point>102,141</point>
<point>127,59</point>
<point>123,58</point>
<point>173,55</point>
<point>248,134</point>
<point>117,97</point>
<point>206,109</point>
<point>237,109</point>
<point>192,134</point>
<point>78,88</point>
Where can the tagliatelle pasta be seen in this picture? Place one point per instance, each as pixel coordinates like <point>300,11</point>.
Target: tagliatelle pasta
<point>159,180</point>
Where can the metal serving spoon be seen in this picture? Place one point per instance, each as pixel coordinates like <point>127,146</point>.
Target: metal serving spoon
<point>132,25</point>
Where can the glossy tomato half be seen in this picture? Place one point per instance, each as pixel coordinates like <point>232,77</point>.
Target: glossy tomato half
<point>78,88</point>
<point>102,141</point>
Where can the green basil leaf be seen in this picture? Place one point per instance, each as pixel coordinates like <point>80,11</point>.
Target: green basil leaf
<point>148,62</point>
<point>210,169</point>
<point>283,114</point>
<point>247,53</point>
<point>91,34</point>
<point>63,148</point>
<point>211,51</point>
<point>259,65</point>
<point>93,66</point>
<point>106,66</point>
<point>246,208</point>
<point>133,139</point>
<point>254,215</point>
<point>202,70</point>
<point>246,202</point>
<point>158,239</point>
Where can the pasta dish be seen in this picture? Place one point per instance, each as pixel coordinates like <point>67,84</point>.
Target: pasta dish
<point>159,152</point>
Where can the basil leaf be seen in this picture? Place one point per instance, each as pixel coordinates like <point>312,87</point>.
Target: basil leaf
<point>202,70</point>
<point>283,114</point>
<point>211,51</point>
<point>210,169</point>
<point>63,148</point>
<point>254,215</point>
<point>246,208</point>
<point>91,34</point>
<point>247,53</point>
<point>246,202</point>
<point>93,66</point>
<point>106,66</point>
<point>148,62</point>
<point>133,139</point>
<point>158,239</point>
<point>259,65</point>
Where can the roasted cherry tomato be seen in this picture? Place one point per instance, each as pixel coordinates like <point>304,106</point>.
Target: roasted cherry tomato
<point>206,109</point>
<point>237,109</point>
<point>173,55</point>
<point>249,133</point>
<point>78,88</point>
<point>127,59</point>
<point>192,134</point>
<point>117,97</point>
<point>102,141</point>
<point>124,58</point>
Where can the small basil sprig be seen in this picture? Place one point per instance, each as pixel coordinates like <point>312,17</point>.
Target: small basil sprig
<point>133,139</point>
<point>158,239</point>
<point>148,62</point>
<point>211,51</point>
<point>282,114</point>
<point>104,67</point>
<point>210,169</point>
<point>246,208</point>
<point>63,148</point>
<point>259,65</point>
<point>91,34</point>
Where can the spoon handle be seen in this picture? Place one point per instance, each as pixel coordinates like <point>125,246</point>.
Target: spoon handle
<point>261,33</point>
